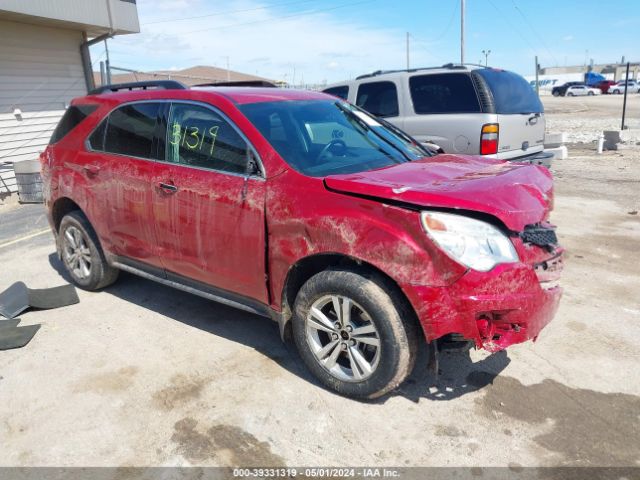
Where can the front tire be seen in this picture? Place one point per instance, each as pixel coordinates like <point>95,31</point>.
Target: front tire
<point>591,94</point>
<point>82,255</point>
<point>353,334</point>
<point>569,94</point>
<point>556,94</point>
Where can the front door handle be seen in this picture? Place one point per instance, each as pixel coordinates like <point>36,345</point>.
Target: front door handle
<point>168,187</point>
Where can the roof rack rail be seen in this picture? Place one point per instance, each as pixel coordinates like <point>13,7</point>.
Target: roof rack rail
<point>419,69</point>
<point>239,83</point>
<point>463,65</point>
<point>159,84</point>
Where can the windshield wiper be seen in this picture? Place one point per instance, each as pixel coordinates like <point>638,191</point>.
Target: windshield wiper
<point>368,128</point>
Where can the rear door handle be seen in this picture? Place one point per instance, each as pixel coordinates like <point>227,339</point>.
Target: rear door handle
<point>91,170</point>
<point>167,187</point>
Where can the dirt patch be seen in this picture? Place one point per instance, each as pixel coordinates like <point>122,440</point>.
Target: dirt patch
<point>227,445</point>
<point>181,390</point>
<point>587,428</point>
<point>576,326</point>
<point>449,431</point>
<point>109,382</point>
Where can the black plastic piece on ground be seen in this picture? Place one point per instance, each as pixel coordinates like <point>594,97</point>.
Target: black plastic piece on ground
<point>55,297</point>
<point>9,323</point>
<point>14,300</point>
<point>17,298</point>
<point>16,337</point>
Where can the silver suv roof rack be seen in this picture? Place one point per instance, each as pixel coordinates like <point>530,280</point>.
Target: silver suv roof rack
<point>451,66</point>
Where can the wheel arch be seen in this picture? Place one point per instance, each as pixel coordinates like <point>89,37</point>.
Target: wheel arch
<point>308,266</point>
<point>61,207</point>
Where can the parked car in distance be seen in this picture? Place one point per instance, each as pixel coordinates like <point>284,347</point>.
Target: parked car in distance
<point>302,208</point>
<point>631,86</point>
<point>604,85</point>
<point>582,90</point>
<point>561,90</point>
<point>461,108</point>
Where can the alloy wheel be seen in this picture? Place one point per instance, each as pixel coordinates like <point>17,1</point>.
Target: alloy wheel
<point>343,338</point>
<point>76,253</point>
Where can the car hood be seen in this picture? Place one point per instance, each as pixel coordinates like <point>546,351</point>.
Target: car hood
<point>516,193</point>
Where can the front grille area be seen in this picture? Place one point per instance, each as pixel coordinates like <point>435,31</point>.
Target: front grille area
<point>541,236</point>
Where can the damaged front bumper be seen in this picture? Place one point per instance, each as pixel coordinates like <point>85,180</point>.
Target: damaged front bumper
<point>510,304</point>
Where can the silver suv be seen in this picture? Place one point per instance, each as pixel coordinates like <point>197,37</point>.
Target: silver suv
<point>461,108</point>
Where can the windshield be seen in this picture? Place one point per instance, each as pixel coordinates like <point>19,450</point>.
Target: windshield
<point>511,92</point>
<point>325,137</point>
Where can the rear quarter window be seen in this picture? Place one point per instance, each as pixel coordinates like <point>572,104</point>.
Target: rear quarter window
<point>443,93</point>
<point>511,92</point>
<point>130,130</point>
<point>379,98</point>
<point>74,115</point>
<point>340,92</point>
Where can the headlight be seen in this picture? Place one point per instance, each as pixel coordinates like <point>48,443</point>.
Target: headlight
<point>473,243</point>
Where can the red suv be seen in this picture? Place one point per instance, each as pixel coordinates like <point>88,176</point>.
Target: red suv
<point>300,207</point>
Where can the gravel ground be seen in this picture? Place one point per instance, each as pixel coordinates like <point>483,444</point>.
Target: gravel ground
<point>585,118</point>
<point>142,375</point>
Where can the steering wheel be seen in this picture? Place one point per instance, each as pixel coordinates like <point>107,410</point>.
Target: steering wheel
<point>332,144</point>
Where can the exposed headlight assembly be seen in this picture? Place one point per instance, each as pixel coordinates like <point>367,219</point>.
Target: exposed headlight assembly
<point>473,243</point>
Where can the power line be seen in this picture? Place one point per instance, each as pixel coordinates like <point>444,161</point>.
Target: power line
<point>453,15</point>
<point>228,12</point>
<point>534,31</point>
<point>285,17</point>
<point>512,27</point>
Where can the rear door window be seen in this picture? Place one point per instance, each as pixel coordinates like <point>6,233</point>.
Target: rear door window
<point>443,93</point>
<point>70,120</point>
<point>130,130</point>
<point>511,92</point>
<point>200,137</point>
<point>379,98</point>
<point>340,92</point>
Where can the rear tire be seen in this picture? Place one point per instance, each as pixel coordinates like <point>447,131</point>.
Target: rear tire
<point>363,350</point>
<point>590,94</point>
<point>82,255</point>
<point>569,94</point>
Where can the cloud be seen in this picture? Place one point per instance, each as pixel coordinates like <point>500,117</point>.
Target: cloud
<point>321,45</point>
<point>567,38</point>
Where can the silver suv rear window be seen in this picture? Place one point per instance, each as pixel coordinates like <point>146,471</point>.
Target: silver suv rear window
<point>511,92</point>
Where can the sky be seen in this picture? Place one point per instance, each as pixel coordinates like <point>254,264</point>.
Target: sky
<point>332,40</point>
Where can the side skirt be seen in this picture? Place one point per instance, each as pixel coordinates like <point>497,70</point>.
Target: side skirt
<point>202,290</point>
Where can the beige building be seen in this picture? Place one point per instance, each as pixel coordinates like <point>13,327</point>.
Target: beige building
<point>616,71</point>
<point>44,63</point>
<point>189,76</point>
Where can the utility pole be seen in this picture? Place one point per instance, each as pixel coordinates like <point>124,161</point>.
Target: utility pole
<point>461,31</point>
<point>407,50</point>
<point>624,102</point>
<point>486,57</point>
<point>537,71</point>
<point>107,63</point>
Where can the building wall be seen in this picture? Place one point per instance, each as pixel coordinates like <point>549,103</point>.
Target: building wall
<point>40,67</point>
<point>40,72</point>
